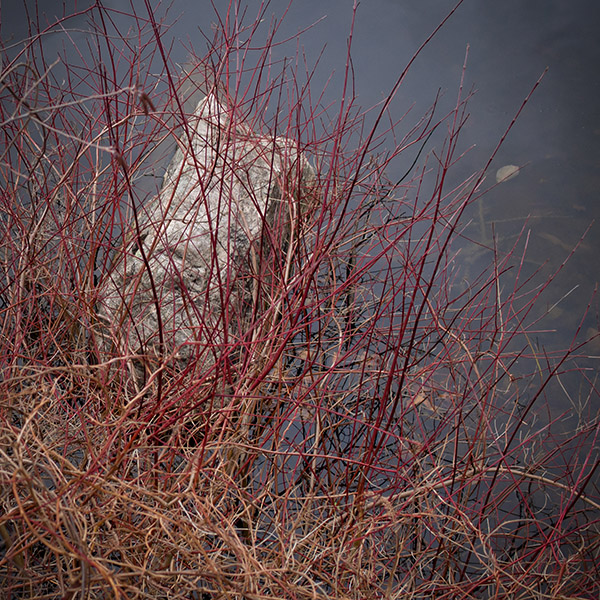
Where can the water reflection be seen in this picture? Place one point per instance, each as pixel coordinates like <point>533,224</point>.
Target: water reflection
<point>555,142</point>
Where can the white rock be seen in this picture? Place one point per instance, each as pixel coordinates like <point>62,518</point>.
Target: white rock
<point>224,189</point>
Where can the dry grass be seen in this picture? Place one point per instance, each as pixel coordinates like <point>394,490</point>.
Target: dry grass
<point>374,430</point>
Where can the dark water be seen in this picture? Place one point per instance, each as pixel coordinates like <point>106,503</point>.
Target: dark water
<point>556,140</point>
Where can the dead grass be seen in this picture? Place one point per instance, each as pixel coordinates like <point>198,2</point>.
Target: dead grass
<point>374,430</point>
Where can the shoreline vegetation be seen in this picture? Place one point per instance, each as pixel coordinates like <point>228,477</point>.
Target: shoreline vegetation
<point>320,406</point>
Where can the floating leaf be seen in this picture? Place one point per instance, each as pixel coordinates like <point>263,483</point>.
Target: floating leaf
<point>507,172</point>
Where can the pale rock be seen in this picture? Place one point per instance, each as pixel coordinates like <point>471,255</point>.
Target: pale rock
<point>225,190</point>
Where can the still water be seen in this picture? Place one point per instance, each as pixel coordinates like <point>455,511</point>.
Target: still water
<point>556,142</point>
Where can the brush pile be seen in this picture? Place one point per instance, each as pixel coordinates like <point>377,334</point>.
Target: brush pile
<point>247,378</point>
